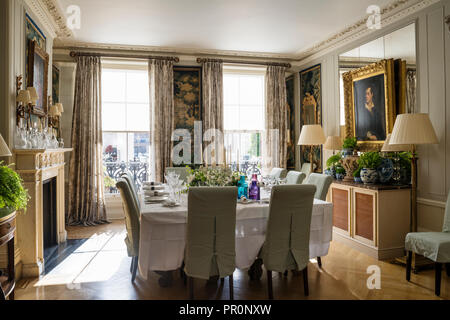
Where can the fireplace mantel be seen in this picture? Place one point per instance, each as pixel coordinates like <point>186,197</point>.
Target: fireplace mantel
<point>35,166</point>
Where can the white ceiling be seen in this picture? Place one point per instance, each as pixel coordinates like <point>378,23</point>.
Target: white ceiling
<point>266,26</point>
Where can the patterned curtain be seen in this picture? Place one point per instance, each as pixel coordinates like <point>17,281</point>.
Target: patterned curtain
<point>411,91</point>
<point>275,146</point>
<point>86,193</point>
<point>161,115</point>
<point>212,112</point>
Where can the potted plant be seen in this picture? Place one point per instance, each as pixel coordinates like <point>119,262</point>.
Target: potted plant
<point>357,175</point>
<point>369,162</point>
<point>13,196</point>
<point>332,163</point>
<point>349,146</point>
<point>340,172</point>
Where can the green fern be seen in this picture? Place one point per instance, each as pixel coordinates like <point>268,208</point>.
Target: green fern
<point>12,193</point>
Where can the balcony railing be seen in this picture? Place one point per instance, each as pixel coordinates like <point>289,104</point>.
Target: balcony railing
<point>138,170</point>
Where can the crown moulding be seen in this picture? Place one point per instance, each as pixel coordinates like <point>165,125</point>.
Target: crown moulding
<point>390,14</point>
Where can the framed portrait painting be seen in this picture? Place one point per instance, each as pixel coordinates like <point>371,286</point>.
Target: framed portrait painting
<point>311,111</point>
<point>38,76</point>
<point>369,98</point>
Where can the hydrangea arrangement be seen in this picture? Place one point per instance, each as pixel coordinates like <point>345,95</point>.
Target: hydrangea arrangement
<point>213,176</point>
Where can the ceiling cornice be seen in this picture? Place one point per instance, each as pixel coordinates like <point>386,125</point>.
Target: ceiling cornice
<point>392,13</point>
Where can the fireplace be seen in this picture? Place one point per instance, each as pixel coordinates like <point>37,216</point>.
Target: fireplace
<point>49,224</point>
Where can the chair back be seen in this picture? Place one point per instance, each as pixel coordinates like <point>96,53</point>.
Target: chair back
<point>132,220</point>
<point>210,239</point>
<point>295,177</point>
<point>306,168</point>
<point>279,173</point>
<point>181,171</point>
<point>322,183</point>
<point>287,238</point>
<point>446,226</point>
<point>126,176</point>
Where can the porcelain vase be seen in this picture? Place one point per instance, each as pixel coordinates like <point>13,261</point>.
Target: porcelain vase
<point>369,176</point>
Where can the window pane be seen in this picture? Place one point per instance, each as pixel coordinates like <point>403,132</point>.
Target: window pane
<point>138,117</point>
<point>139,147</point>
<point>231,89</point>
<point>113,117</point>
<point>251,90</point>
<point>114,146</point>
<point>231,118</point>
<point>137,86</point>
<point>251,118</point>
<point>113,85</point>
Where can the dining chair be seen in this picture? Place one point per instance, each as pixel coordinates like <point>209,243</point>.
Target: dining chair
<point>306,168</point>
<point>432,245</point>
<point>183,172</point>
<point>286,246</point>
<point>295,177</point>
<point>132,185</point>
<point>132,224</point>
<point>210,240</point>
<point>279,173</point>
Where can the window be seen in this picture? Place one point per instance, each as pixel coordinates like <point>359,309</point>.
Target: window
<point>243,114</point>
<point>126,123</point>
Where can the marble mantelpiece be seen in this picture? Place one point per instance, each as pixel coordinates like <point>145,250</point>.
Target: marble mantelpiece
<point>36,166</point>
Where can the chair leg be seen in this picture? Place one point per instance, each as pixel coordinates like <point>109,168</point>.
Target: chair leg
<point>305,281</point>
<point>132,265</point>
<point>447,269</point>
<point>191,288</point>
<point>269,284</point>
<point>408,265</point>
<point>319,262</point>
<point>230,279</point>
<point>135,266</point>
<point>285,273</point>
<point>437,282</point>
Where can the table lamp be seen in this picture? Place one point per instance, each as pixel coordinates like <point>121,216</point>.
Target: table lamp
<point>413,129</point>
<point>4,150</point>
<point>312,135</point>
<point>333,143</point>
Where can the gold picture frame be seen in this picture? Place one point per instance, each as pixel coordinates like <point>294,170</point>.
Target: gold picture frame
<point>382,70</point>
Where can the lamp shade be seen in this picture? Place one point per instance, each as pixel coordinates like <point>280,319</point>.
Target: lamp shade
<point>60,107</point>
<point>311,134</point>
<point>333,143</point>
<point>33,94</point>
<point>23,97</point>
<point>4,150</point>
<point>413,128</point>
<point>53,112</point>
<point>387,147</point>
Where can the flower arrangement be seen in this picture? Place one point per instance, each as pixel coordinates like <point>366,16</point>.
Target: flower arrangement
<point>13,196</point>
<point>212,176</point>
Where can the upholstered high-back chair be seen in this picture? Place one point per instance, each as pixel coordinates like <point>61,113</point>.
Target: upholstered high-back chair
<point>132,223</point>
<point>306,168</point>
<point>432,245</point>
<point>295,177</point>
<point>210,240</point>
<point>322,183</point>
<point>181,171</point>
<point>279,173</point>
<point>286,246</point>
<point>133,188</point>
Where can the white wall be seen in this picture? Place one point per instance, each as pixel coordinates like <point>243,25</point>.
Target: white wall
<point>433,61</point>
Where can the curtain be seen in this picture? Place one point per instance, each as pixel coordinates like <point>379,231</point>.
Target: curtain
<point>411,91</point>
<point>212,112</point>
<point>275,144</point>
<point>161,115</point>
<point>86,193</point>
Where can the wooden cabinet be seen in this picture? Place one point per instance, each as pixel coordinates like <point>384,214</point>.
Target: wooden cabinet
<point>7,280</point>
<point>373,219</point>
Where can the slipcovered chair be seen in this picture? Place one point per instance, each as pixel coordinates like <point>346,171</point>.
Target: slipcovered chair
<point>286,246</point>
<point>432,245</point>
<point>295,177</point>
<point>306,168</point>
<point>210,239</point>
<point>130,182</point>
<point>181,171</point>
<point>132,224</point>
<point>278,173</point>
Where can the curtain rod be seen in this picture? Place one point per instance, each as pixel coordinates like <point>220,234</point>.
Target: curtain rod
<point>117,55</point>
<point>279,64</point>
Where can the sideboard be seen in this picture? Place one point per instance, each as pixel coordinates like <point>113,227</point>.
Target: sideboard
<point>373,219</point>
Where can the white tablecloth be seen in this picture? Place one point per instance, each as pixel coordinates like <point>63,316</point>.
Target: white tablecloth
<point>162,237</point>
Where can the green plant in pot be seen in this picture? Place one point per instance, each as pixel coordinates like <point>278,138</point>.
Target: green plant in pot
<point>332,163</point>
<point>13,196</point>
<point>340,172</point>
<point>349,146</point>
<point>357,175</point>
<point>369,162</point>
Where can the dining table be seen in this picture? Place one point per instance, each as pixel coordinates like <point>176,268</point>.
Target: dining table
<point>163,231</point>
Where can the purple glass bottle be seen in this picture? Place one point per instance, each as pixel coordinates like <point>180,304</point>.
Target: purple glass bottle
<point>254,188</point>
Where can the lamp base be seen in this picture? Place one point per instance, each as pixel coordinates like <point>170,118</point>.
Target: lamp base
<point>418,263</point>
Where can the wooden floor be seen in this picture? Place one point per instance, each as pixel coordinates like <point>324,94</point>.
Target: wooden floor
<point>99,269</point>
